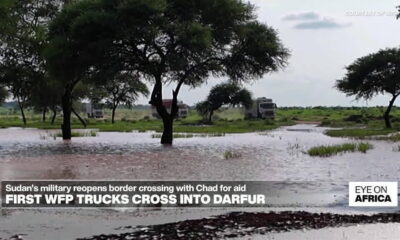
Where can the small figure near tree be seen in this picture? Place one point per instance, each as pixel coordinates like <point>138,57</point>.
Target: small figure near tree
<point>377,73</point>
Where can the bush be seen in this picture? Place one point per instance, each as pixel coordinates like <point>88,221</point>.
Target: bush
<point>355,118</point>
<point>269,122</point>
<point>232,154</point>
<point>326,122</point>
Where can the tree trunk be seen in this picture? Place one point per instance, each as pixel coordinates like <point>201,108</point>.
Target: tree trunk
<point>79,117</point>
<point>168,136</point>
<point>21,108</point>
<point>44,115</point>
<point>66,108</point>
<point>210,116</point>
<point>168,118</point>
<point>386,116</point>
<point>113,113</point>
<point>54,116</point>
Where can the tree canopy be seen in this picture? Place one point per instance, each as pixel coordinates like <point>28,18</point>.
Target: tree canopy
<point>23,37</point>
<point>76,47</point>
<point>123,88</point>
<point>167,41</point>
<point>3,94</point>
<point>224,94</point>
<point>376,73</point>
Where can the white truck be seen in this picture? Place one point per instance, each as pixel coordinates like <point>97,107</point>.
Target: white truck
<point>262,108</point>
<point>94,110</point>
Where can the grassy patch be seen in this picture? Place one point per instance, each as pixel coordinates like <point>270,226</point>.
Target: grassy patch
<point>392,138</point>
<point>231,126</point>
<point>364,147</point>
<point>231,155</point>
<point>327,151</point>
<point>91,133</point>
<point>227,120</point>
<point>359,133</point>
<point>180,126</point>
<point>218,128</point>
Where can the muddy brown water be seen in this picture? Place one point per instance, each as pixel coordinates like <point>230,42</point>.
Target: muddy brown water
<point>269,156</point>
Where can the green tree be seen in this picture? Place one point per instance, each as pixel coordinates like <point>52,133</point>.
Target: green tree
<point>19,80</point>
<point>224,94</point>
<point>23,30</point>
<point>5,17</point>
<point>203,109</point>
<point>79,37</point>
<point>377,73</point>
<point>123,88</point>
<point>46,96</point>
<point>3,95</point>
<point>169,42</point>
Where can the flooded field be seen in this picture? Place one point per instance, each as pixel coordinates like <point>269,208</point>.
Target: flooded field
<point>268,156</point>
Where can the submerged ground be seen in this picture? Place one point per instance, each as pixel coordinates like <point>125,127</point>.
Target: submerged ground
<point>278,155</point>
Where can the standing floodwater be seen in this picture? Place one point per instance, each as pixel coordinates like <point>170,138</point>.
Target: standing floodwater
<point>266,156</point>
<point>273,156</point>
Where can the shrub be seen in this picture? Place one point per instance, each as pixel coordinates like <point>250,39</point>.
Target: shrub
<point>232,154</point>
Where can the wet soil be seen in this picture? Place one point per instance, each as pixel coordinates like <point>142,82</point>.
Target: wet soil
<point>242,224</point>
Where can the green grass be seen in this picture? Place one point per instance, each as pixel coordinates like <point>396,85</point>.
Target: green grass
<point>391,138</point>
<point>363,122</point>
<point>192,126</point>
<point>330,150</point>
<point>91,133</point>
<point>232,155</point>
<point>370,117</point>
<point>364,147</point>
<point>232,126</point>
<point>359,133</point>
<point>189,125</point>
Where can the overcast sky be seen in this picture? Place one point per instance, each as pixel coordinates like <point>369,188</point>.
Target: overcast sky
<point>323,37</point>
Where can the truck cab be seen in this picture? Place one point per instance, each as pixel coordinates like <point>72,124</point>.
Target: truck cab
<point>263,108</point>
<point>94,110</point>
<point>267,110</point>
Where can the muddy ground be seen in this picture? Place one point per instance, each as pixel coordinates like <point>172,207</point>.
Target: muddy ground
<point>242,224</point>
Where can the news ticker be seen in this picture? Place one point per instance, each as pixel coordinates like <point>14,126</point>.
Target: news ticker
<point>128,194</point>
